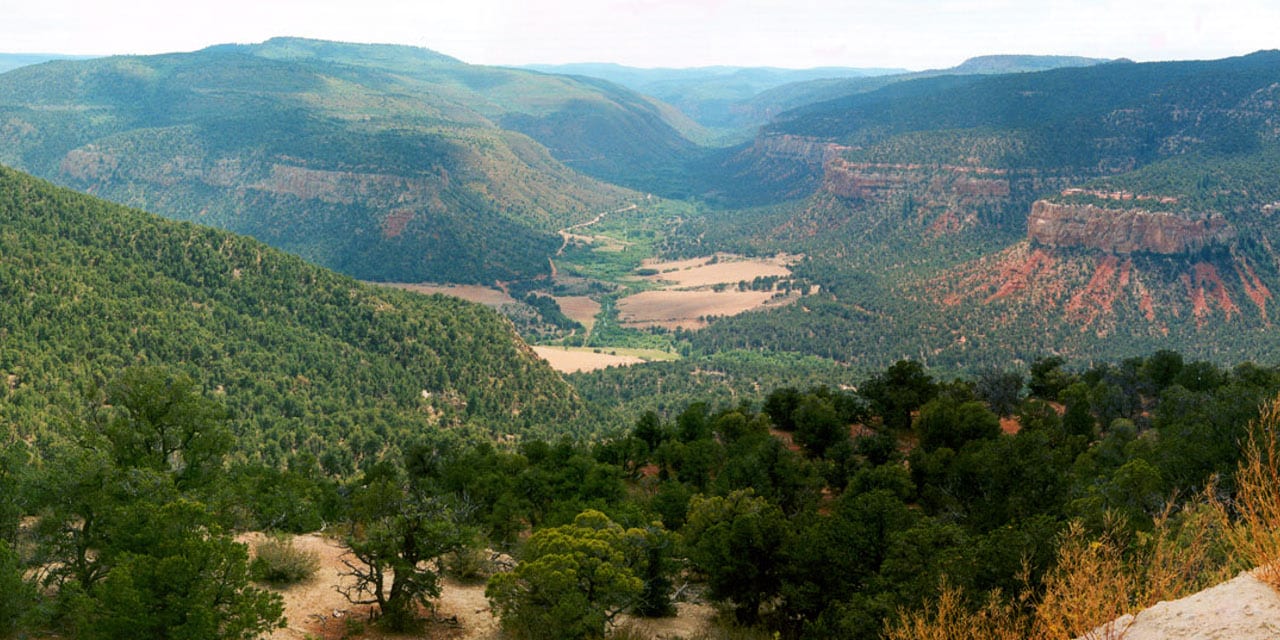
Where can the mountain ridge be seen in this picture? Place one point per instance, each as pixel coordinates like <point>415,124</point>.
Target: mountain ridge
<point>301,355</point>
<point>233,135</point>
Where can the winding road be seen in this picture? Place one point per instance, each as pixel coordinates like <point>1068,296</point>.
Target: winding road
<point>566,234</point>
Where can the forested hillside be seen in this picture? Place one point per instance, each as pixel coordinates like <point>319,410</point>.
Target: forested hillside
<point>307,361</point>
<point>383,162</point>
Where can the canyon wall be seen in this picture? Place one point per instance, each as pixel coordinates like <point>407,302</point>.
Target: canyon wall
<point>1124,231</point>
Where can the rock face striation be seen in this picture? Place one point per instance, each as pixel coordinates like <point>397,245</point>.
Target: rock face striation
<point>1125,231</point>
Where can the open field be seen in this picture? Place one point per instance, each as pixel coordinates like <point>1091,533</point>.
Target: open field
<point>580,309</point>
<point>471,292</point>
<point>726,269</point>
<point>687,290</point>
<point>574,359</point>
<point>688,309</point>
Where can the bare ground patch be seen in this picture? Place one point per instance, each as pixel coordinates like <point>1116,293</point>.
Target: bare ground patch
<point>471,292</point>
<point>580,309</point>
<point>689,309</point>
<point>690,619</point>
<point>719,269</point>
<point>567,360</point>
<point>314,609</point>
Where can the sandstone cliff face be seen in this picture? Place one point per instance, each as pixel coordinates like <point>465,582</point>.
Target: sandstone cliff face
<point>866,180</point>
<point>811,151</point>
<point>1124,231</point>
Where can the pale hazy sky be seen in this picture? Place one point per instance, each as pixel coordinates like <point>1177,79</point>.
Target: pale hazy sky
<point>915,34</point>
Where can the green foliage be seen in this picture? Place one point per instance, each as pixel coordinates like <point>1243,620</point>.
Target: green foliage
<point>802,546</point>
<point>818,426</point>
<point>571,582</point>
<point>737,542</point>
<point>120,543</point>
<point>165,425</point>
<point>17,594</point>
<point>175,580</point>
<point>946,423</point>
<point>302,358</point>
<point>446,172</point>
<point>901,389</point>
<point>15,471</point>
<point>471,563</point>
<point>398,532</point>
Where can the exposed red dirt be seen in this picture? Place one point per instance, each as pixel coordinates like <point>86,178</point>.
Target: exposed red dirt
<point>1010,425</point>
<point>1205,286</point>
<point>1253,286</point>
<point>1098,296</point>
<point>788,440</point>
<point>1017,276</point>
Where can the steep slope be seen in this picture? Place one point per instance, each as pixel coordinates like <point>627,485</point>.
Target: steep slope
<point>385,162</point>
<point>307,360</point>
<point>1099,211</point>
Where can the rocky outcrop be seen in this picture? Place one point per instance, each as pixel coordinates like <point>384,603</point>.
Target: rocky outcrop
<point>812,151</point>
<point>1125,231</point>
<point>867,180</point>
<point>849,181</point>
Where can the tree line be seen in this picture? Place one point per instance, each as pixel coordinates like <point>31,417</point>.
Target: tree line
<point>817,513</point>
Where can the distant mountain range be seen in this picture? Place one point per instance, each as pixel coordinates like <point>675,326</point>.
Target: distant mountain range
<point>384,162</point>
<point>733,100</point>
<point>11,61</point>
<point>712,96</point>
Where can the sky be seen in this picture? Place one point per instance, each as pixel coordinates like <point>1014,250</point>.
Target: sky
<point>911,34</point>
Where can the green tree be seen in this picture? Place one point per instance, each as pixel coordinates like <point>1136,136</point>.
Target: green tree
<point>1048,378</point>
<point>571,581</point>
<point>901,389</point>
<point>163,423</point>
<point>781,405</point>
<point>818,426</point>
<point>945,423</point>
<point>17,594</point>
<point>1001,390</point>
<point>398,530</point>
<point>123,547</point>
<point>737,542</point>
<point>176,577</point>
<point>650,431</point>
<point>15,471</point>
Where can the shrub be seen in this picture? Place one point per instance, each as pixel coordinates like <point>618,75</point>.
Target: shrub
<point>469,564</point>
<point>277,561</point>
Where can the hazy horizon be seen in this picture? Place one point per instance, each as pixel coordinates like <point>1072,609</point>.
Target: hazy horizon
<point>910,34</point>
